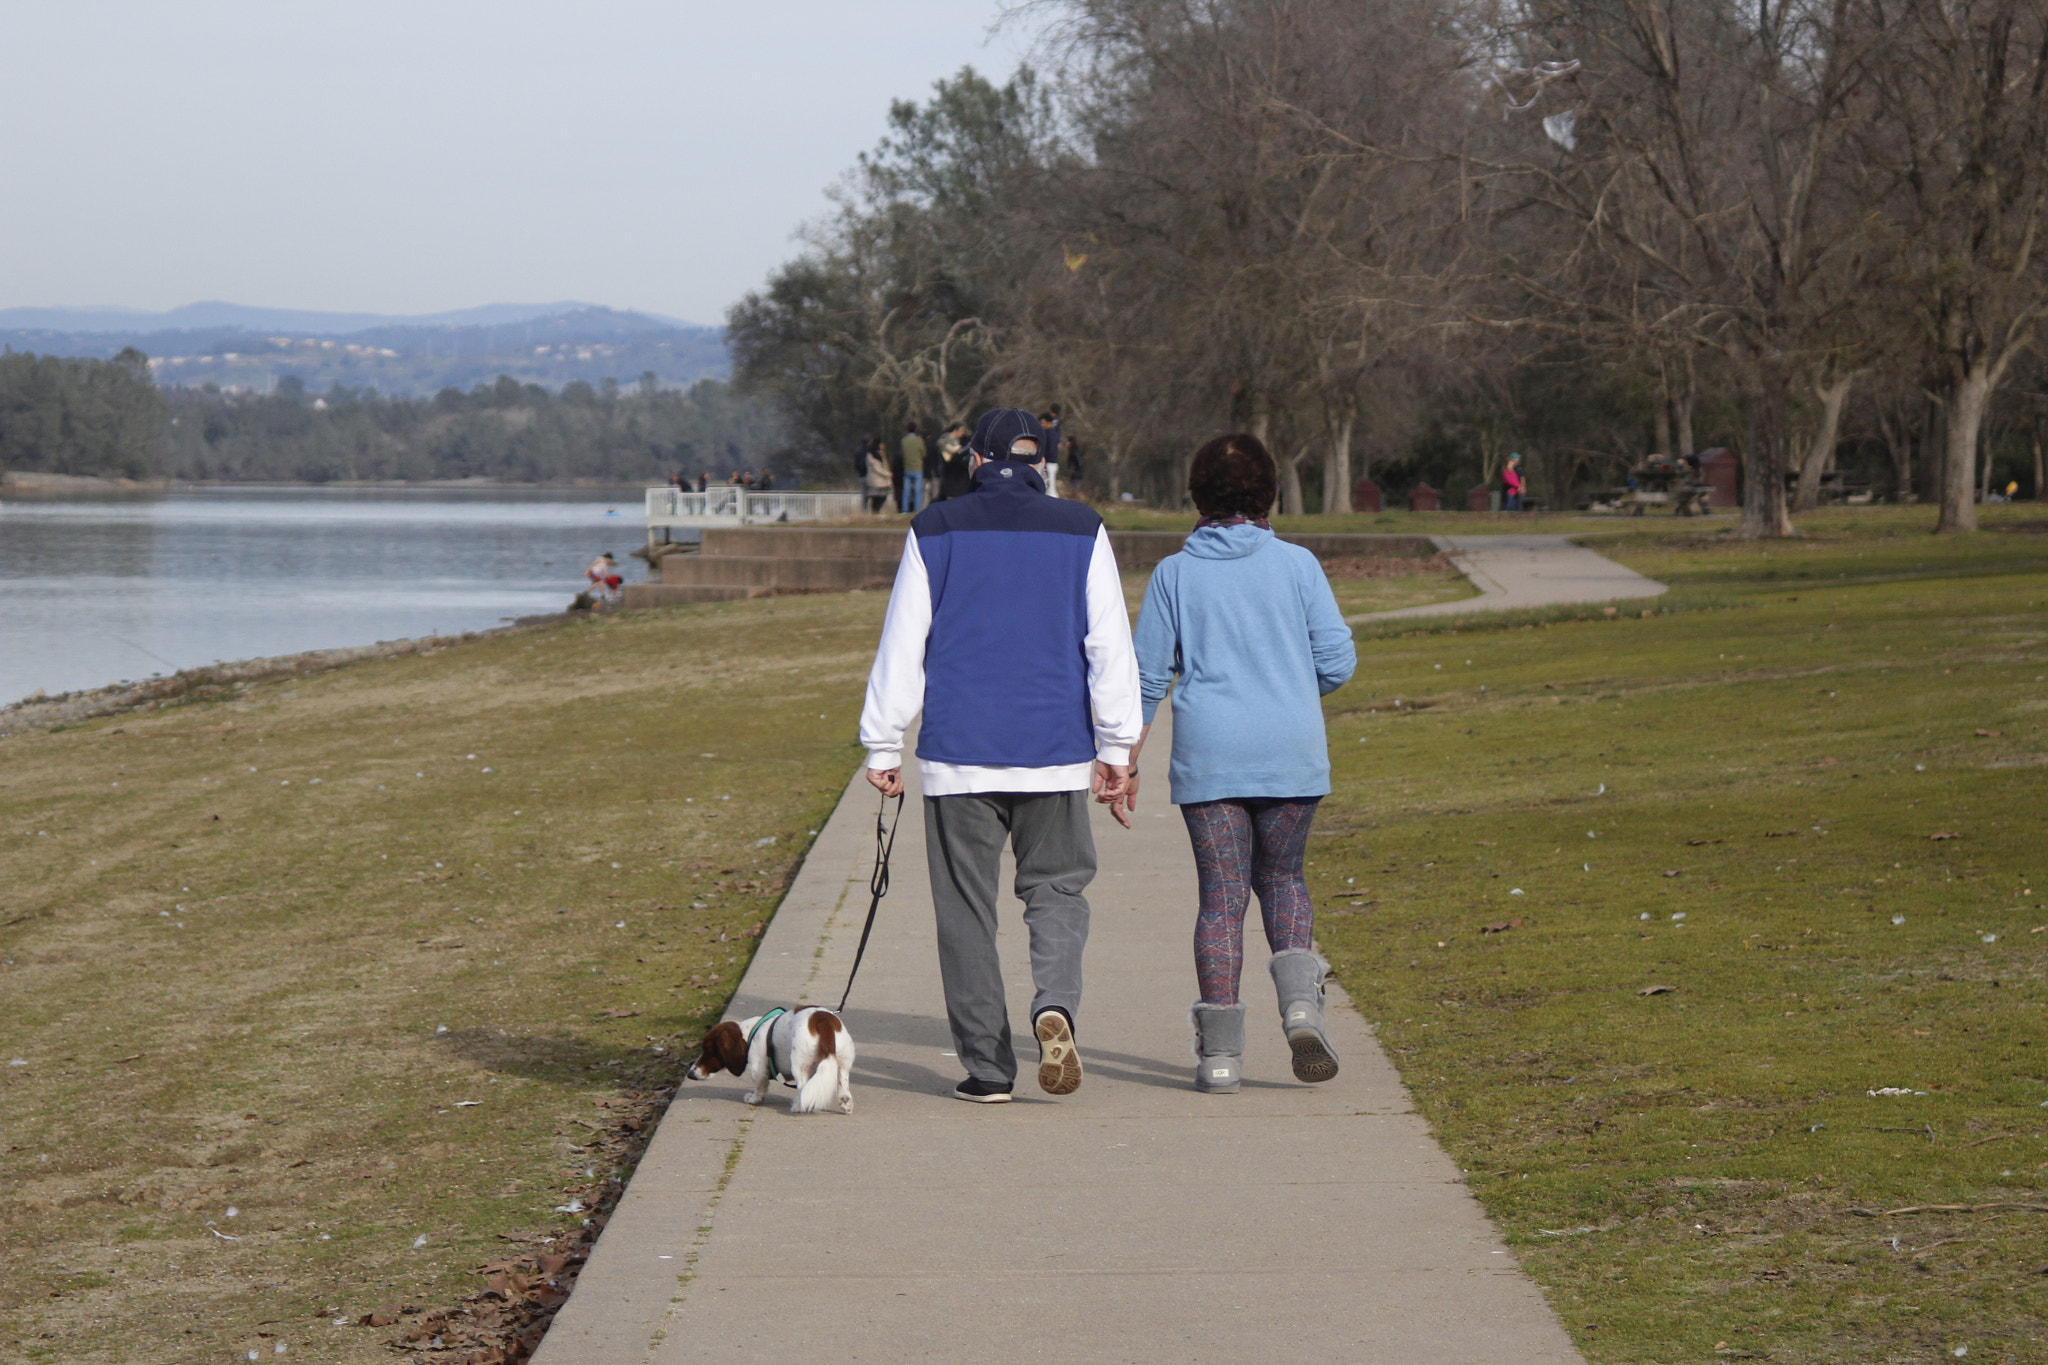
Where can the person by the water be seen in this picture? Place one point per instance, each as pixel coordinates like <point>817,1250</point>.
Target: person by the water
<point>604,577</point>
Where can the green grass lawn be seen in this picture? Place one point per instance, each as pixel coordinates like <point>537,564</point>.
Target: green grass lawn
<point>377,972</point>
<point>227,987</point>
<point>1808,797</point>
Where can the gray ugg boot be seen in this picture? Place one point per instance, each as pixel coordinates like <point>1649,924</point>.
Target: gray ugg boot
<point>1219,1047</point>
<point>1298,977</point>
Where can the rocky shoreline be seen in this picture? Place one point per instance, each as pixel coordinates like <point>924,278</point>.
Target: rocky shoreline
<point>39,712</point>
<point>16,483</point>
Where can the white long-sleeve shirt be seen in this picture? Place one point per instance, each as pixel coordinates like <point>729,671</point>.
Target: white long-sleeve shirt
<point>895,693</point>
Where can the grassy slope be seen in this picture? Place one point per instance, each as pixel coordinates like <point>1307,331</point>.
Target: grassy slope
<point>300,992</point>
<point>1676,1169</point>
<point>227,983</point>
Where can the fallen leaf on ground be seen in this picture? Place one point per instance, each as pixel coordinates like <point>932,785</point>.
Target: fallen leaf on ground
<point>1695,843</point>
<point>618,1014</point>
<point>1989,734</point>
<point>1943,835</point>
<point>1671,872</point>
<point>1656,990</point>
<point>1501,926</point>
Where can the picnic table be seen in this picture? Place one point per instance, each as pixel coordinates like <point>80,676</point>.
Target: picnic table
<point>1659,482</point>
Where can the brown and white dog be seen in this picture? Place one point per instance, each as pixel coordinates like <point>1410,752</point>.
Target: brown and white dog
<point>810,1046</point>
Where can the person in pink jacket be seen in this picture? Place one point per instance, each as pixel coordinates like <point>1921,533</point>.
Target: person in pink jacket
<point>1512,477</point>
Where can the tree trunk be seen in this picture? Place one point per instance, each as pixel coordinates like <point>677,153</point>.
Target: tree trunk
<point>2039,491</point>
<point>1967,399</point>
<point>1661,420</point>
<point>1820,455</point>
<point>1984,454</point>
<point>1337,465</point>
<point>1933,444</point>
<point>1290,482</point>
<point>1899,442</point>
<point>1764,515</point>
<point>1681,410</point>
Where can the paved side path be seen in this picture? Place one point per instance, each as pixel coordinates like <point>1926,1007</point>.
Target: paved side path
<point>1531,571</point>
<point>1134,1220</point>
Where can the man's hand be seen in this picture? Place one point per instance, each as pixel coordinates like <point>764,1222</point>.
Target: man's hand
<point>887,781</point>
<point>1111,786</point>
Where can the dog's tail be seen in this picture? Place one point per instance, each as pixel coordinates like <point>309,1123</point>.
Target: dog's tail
<point>820,1090</point>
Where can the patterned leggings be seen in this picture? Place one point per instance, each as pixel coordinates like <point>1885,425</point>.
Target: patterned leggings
<point>1242,847</point>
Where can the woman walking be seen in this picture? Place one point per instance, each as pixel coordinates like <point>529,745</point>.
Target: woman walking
<point>1244,629</point>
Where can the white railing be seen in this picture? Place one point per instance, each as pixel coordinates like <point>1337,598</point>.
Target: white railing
<point>729,505</point>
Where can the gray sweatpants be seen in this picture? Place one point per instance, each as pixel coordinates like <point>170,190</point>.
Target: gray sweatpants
<point>963,838</point>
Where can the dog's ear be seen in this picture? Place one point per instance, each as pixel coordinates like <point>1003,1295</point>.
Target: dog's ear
<point>727,1044</point>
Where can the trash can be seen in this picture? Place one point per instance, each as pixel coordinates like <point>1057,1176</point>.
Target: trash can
<point>1423,498</point>
<point>1478,499</point>
<point>1365,496</point>
<point>1722,471</point>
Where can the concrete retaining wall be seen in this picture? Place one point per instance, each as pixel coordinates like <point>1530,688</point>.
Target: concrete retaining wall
<point>758,561</point>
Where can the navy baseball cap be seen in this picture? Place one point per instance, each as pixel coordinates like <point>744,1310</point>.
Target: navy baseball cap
<point>1001,428</point>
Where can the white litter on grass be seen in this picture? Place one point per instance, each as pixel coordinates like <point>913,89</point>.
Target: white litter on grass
<point>234,1212</point>
<point>1590,834</point>
<point>490,770</point>
<point>440,1028</point>
<point>621,924</point>
<point>1587,866</point>
<point>573,1206</point>
<point>1991,938</point>
<point>419,1241</point>
<point>467,1104</point>
<point>1602,791</point>
<point>763,843</point>
<point>725,798</point>
<point>222,1235</point>
<point>1898,919</point>
<point>1516,892</point>
<point>615,867</point>
<point>341,1322</point>
<point>1892,1090</point>
<point>1678,915</point>
<point>17,1061</point>
<point>1644,915</point>
<point>1919,767</point>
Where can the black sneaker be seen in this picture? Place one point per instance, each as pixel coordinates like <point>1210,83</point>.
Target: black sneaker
<point>1059,1061</point>
<point>982,1092</point>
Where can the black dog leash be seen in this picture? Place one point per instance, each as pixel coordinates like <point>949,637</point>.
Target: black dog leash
<point>878,885</point>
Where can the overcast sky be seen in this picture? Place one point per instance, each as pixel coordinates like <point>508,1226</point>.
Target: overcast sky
<point>411,156</point>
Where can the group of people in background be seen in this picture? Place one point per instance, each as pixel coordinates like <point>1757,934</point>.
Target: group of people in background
<point>761,481</point>
<point>919,470</point>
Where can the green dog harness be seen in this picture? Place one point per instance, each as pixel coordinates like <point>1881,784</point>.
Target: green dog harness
<point>764,1021</point>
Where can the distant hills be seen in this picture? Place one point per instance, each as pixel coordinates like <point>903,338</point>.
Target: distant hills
<point>239,347</point>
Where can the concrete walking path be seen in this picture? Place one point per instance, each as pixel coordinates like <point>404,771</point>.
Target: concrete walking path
<point>1135,1220</point>
<point>1514,572</point>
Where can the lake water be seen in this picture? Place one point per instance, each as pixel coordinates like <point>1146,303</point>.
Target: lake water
<point>97,591</point>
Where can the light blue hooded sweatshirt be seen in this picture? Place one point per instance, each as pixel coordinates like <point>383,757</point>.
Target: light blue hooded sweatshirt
<point>1249,627</point>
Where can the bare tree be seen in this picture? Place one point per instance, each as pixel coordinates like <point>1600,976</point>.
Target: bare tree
<point>1690,148</point>
<point>1958,119</point>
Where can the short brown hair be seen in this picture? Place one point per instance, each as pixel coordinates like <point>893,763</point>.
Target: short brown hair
<point>1233,476</point>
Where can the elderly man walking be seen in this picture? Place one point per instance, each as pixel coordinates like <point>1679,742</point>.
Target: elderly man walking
<point>1007,629</point>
